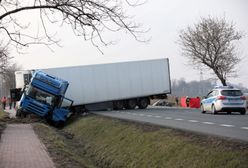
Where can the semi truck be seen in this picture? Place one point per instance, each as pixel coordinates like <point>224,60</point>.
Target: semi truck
<point>44,96</point>
<point>120,85</point>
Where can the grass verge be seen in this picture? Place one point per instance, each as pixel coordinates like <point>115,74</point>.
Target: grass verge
<point>96,141</point>
<point>3,117</point>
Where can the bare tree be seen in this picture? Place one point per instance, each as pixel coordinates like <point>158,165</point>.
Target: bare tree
<point>6,71</point>
<point>8,78</point>
<point>4,59</point>
<point>87,18</point>
<point>211,44</point>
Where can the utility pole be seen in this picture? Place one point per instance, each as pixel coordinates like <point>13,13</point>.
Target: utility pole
<point>200,91</point>
<point>201,75</point>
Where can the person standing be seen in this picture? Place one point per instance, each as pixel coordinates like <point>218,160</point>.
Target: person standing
<point>177,101</point>
<point>10,102</point>
<point>4,100</point>
<point>187,101</point>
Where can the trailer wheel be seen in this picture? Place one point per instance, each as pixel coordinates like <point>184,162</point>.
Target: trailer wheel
<point>131,104</point>
<point>119,105</point>
<point>143,103</point>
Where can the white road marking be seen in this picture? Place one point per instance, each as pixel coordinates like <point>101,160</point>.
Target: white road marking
<point>193,121</point>
<point>209,123</point>
<point>179,119</point>
<point>226,125</point>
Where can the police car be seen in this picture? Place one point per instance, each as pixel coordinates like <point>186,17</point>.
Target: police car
<point>224,99</point>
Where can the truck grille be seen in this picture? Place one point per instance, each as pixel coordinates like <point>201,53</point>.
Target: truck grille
<point>35,108</point>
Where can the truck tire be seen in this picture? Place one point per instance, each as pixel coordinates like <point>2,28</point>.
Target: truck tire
<point>59,124</point>
<point>119,105</point>
<point>143,103</point>
<point>23,114</point>
<point>131,104</point>
<point>18,113</point>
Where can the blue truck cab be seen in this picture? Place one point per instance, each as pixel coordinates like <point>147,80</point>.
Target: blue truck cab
<point>44,96</point>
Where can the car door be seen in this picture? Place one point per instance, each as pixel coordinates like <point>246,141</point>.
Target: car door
<point>207,102</point>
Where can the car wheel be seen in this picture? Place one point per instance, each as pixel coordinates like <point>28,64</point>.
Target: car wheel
<point>202,109</point>
<point>214,110</point>
<point>243,112</point>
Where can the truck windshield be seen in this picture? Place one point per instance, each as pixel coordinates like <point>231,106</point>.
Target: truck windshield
<point>41,96</point>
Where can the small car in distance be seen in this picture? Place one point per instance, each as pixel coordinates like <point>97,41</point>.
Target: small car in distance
<point>224,99</point>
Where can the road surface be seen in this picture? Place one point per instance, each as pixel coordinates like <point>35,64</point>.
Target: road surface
<point>234,126</point>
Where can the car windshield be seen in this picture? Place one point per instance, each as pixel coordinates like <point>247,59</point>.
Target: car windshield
<point>231,93</point>
<point>41,96</point>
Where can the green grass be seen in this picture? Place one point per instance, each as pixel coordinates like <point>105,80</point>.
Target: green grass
<point>65,152</point>
<point>3,124</point>
<point>104,142</point>
<point>2,114</point>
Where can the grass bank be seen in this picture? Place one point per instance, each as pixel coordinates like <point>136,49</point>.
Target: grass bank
<point>96,141</point>
<point>3,117</point>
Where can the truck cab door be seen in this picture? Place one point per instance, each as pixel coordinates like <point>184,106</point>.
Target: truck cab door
<point>66,103</point>
<point>62,112</point>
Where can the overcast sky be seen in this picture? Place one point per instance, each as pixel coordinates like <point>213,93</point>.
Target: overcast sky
<point>165,19</point>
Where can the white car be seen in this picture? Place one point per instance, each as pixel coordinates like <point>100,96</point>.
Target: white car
<point>224,99</point>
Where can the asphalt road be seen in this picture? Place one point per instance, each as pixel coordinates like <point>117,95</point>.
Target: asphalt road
<point>234,126</point>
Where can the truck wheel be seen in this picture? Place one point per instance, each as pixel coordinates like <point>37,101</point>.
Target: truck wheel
<point>119,105</point>
<point>59,124</point>
<point>18,113</point>
<point>131,104</point>
<point>143,103</point>
<point>23,114</point>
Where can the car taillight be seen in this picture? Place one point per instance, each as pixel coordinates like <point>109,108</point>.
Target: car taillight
<point>221,97</point>
<point>243,97</point>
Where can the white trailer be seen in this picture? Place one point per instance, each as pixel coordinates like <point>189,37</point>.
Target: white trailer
<point>22,78</point>
<point>122,85</point>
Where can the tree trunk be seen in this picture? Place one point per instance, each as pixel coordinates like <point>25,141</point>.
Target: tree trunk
<point>223,81</point>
